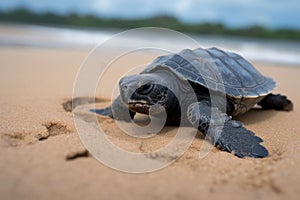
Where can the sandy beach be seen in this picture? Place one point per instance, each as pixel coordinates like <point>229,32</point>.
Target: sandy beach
<point>41,155</point>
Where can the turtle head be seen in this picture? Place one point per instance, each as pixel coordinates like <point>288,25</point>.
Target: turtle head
<point>142,91</point>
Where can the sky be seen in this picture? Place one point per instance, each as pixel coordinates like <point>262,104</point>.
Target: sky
<point>233,13</point>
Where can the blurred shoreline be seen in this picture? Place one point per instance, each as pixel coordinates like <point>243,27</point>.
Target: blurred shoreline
<point>256,50</point>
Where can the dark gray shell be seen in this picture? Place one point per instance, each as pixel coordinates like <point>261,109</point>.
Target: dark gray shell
<point>216,70</point>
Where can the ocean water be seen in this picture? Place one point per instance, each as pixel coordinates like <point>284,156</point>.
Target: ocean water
<point>260,50</point>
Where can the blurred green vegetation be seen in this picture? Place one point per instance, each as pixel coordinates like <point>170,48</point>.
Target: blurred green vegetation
<point>25,16</point>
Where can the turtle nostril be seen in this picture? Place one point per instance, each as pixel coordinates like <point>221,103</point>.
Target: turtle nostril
<point>124,87</point>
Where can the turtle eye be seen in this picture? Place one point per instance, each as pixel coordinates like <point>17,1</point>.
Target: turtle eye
<point>145,89</point>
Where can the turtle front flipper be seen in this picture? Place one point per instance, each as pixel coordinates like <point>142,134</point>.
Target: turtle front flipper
<point>121,111</point>
<point>240,141</point>
<point>225,133</point>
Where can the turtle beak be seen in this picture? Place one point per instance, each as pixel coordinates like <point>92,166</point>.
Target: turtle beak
<point>127,86</point>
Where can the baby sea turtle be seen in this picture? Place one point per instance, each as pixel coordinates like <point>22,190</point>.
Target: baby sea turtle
<point>209,74</point>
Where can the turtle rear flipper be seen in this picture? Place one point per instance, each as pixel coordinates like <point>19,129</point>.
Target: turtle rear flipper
<point>225,133</point>
<point>276,102</point>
